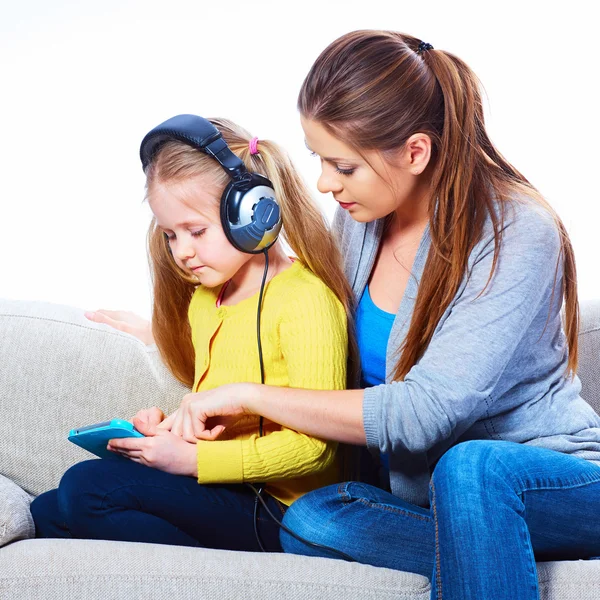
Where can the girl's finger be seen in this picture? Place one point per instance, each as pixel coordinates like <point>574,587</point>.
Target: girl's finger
<point>99,317</point>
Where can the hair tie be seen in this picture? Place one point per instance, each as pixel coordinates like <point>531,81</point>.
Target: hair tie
<point>423,47</point>
<point>253,145</point>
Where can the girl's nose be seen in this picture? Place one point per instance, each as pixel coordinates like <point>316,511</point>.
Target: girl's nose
<point>183,250</point>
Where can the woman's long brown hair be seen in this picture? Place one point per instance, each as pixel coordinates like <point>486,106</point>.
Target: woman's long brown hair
<point>304,229</point>
<point>373,90</point>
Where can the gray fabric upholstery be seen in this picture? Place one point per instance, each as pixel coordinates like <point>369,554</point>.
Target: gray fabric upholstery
<point>116,570</point>
<point>60,370</point>
<point>15,519</point>
<point>589,353</point>
<point>98,570</point>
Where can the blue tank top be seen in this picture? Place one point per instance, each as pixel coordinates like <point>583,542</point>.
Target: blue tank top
<point>373,327</point>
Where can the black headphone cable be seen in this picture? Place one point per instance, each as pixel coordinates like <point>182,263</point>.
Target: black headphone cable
<point>260,489</point>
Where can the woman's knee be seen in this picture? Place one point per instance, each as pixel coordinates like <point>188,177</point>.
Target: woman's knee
<point>308,518</point>
<point>471,468</point>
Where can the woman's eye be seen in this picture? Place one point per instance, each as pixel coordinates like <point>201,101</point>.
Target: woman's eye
<point>344,171</point>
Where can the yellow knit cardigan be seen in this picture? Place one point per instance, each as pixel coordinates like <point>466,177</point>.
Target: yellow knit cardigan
<point>304,345</point>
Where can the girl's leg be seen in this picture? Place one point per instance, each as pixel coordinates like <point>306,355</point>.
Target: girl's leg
<point>118,499</point>
<point>49,522</point>
<point>499,506</point>
<point>369,524</point>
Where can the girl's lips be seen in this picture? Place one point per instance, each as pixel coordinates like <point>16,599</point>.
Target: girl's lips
<point>347,205</point>
<point>198,267</point>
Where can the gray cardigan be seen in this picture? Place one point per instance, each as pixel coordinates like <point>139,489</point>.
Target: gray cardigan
<point>494,367</point>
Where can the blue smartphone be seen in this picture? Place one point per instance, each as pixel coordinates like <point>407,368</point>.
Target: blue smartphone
<point>94,438</point>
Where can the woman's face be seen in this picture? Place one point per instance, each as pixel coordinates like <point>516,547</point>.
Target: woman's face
<point>188,212</point>
<point>374,189</point>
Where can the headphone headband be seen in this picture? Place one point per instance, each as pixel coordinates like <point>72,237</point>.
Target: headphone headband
<point>197,132</point>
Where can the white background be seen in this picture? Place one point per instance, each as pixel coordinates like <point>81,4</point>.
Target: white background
<point>81,82</point>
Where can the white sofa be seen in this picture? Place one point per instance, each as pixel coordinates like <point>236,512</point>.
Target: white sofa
<point>59,370</point>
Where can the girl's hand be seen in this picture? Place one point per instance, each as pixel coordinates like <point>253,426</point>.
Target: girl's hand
<point>189,420</point>
<point>126,321</point>
<point>164,451</point>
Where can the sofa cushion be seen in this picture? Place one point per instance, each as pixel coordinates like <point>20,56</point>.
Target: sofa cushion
<point>102,570</point>
<point>15,519</point>
<point>61,371</point>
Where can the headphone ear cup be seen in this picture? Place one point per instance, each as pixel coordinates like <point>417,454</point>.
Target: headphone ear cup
<point>250,216</point>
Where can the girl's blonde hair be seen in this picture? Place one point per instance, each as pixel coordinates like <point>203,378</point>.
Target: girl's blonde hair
<point>304,229</point>
<point>373,90</point>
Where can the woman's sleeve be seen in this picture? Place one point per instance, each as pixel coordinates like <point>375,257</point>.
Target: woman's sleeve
<point>314,342</point>
<point>449,388</point>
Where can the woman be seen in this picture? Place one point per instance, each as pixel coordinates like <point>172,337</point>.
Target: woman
<point>468,390</point>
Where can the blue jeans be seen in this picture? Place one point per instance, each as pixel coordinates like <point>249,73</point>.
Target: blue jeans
<point>496,507</point>
<point>118,499</point>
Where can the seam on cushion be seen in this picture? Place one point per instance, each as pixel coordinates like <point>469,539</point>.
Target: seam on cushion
<point>43,580</point>
<point>125,336</point>
<point>592,330</point>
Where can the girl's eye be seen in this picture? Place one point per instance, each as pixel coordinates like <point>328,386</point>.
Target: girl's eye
<point>194,234</point>
<point>312,153</point>
<point>344,171</point>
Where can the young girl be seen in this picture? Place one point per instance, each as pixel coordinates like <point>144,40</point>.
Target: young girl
<point>207,294</point>
<point>469,389</point>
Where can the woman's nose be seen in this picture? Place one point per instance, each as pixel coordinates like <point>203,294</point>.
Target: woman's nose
<point>328,182</point>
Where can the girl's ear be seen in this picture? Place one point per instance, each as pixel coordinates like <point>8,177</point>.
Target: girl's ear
<point>167,242</point>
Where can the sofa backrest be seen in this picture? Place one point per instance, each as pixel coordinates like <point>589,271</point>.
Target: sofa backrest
<point>589,353</point>
<point>59,371</point>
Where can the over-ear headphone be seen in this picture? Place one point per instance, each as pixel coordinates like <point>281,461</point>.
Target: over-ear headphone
<point>250,214</point>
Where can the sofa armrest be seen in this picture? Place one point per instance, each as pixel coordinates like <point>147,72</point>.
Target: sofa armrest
<point>16,522</point>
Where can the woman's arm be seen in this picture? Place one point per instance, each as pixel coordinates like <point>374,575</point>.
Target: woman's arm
<point>331,415</point>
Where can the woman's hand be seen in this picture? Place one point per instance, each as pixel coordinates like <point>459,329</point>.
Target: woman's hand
<point>189,421</point>
<point>126,321</point>
<point>146,420</point>
<point>163,450</point>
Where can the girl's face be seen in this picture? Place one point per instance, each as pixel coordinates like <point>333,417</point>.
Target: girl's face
<point>188,212</point>
<point>374,189</point>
